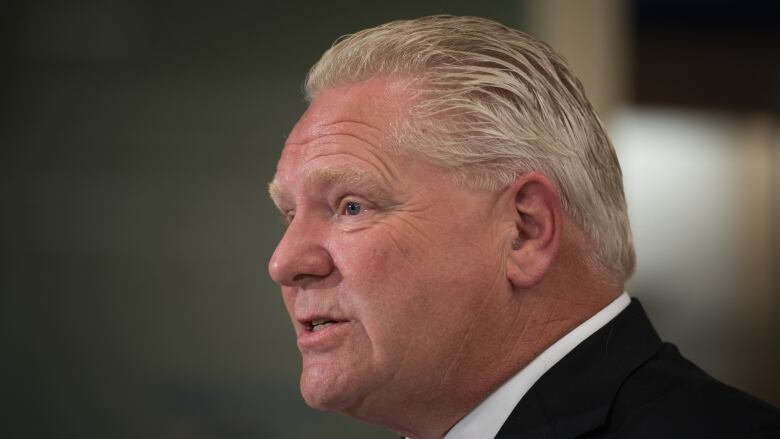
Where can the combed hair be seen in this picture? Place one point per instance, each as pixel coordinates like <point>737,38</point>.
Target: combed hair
<point>492,103</point>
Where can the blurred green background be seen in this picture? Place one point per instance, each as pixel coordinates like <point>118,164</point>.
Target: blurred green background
<point>138,141</point>
<point>138,138</point>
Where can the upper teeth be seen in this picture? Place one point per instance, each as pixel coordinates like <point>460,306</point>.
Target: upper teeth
<point>318,325</point>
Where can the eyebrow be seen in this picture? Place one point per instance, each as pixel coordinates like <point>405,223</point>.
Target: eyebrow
<point>346,175</point>
<point>274,191</point>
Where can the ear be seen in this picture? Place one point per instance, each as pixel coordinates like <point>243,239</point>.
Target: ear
<point>537,213</point>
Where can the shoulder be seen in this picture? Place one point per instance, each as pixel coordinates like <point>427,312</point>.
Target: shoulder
<point>668,396</point>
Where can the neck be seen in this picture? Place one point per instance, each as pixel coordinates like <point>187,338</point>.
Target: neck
<point>509,333</point>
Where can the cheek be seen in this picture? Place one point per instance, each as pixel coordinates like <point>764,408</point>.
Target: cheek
<point>396,269</point>
<point>372,258</point>
<point>381,282</point>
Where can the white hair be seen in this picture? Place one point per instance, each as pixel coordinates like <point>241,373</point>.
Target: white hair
<point>494,103</point>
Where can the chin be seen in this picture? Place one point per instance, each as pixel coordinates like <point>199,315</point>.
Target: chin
<point>326,393</point>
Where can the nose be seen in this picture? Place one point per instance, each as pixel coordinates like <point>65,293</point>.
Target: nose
<point>300,257</point>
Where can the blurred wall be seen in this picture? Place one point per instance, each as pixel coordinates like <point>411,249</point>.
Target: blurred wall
<point>690,92</point>
<point>138,138</point>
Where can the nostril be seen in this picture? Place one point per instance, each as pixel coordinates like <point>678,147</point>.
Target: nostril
<point>301,277</point>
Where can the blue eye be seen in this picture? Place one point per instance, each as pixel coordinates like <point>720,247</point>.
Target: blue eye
<point>352,208</point>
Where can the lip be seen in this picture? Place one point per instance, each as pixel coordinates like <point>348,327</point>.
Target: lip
<point>326,339</point>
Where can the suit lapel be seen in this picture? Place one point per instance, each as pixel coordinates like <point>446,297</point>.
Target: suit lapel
<point>575,396</point>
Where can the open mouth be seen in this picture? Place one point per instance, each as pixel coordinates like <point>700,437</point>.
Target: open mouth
<point>321,334</point>
<point>319,325</point>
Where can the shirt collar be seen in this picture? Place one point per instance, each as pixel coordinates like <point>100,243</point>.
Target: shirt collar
<point>486,419</point>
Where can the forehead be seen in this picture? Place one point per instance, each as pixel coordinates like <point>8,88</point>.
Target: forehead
<point>347,127</point>
<point>373,103</point>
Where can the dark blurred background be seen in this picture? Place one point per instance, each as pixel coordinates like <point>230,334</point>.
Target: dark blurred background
<point>138,138</point>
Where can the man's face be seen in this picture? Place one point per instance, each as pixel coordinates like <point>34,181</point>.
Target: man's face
<point>388,270</point>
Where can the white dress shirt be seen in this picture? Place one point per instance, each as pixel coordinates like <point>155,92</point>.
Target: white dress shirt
<point>487,418</point>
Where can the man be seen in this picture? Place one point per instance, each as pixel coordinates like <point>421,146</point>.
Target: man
<point>457,248</point>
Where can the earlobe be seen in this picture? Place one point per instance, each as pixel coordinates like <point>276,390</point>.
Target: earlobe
<point>537,215</point>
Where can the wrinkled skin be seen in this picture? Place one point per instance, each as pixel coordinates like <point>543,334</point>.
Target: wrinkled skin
<point>409,265</point>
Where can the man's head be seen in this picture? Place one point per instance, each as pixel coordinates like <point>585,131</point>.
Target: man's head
<point>454,207</point>
<point>493,102</point>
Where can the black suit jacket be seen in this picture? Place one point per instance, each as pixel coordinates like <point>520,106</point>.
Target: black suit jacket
<point>624,382</point>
